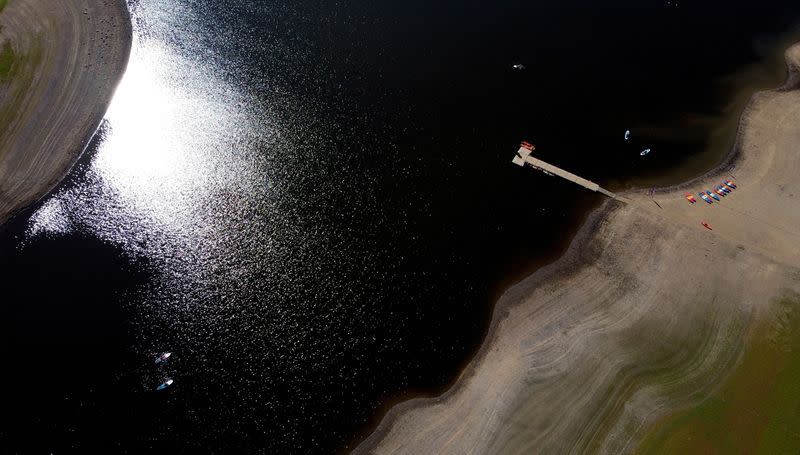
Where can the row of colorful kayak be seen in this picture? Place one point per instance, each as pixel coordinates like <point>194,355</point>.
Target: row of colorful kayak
<point>719,191</point>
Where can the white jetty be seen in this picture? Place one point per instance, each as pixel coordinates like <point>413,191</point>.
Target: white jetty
<point>524,157</point>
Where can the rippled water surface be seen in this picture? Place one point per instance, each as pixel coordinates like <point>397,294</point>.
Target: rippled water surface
<point>311,205</point>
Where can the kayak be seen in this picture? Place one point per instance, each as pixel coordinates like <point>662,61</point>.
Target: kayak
<point>163,357</point>
<point>165,384</point>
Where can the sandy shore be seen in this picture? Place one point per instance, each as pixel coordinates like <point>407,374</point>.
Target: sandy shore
<point>67,58</point>
<point>648,311</point>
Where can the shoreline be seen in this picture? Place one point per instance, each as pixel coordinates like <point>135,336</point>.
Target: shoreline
<point>569,261</point>
<point>69,57</point>
<point>586,249</point>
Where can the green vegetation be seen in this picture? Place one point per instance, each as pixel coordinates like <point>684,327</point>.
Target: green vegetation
<point>676,363</point>
<point>16,75</point>
<point>3,4</point>
<point>757,408</point>
<point>6,60</point>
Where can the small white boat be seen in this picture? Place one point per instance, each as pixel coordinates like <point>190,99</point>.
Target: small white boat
<point>644,152</point>
<point>627,134</point>
<point>518,66</point>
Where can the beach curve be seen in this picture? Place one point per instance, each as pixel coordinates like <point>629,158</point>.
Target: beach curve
<point>646,313</point>
<point>61,63</point>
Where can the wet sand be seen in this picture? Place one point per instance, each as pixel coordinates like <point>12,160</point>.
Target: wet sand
<point>646,313</point>
<point>67,59</point>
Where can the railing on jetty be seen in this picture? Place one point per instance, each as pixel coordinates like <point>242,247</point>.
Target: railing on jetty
<point>524,157</point>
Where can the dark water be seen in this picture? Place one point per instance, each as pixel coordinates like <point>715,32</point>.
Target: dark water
<point>312,205</point>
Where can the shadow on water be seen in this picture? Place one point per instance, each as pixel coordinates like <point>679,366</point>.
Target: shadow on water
<point>64,338</point>
<point>70,380</point>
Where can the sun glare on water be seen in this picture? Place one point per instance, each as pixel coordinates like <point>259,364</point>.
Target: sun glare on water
<point>170,153</point>
<point>139,143</point>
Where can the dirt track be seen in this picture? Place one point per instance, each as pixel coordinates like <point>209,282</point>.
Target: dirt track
<point>69,56</point>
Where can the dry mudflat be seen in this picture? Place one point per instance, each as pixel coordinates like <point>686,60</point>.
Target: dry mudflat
<point>60,62</point>
<point>652,334</point>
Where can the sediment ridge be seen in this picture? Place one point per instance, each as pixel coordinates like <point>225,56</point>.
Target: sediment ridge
<point>647,313</point>
<point>60,63</point>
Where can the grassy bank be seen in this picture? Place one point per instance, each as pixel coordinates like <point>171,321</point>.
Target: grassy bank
<point>6,61</point>
<point>16,77</point>
<point>64,62</point>
<point>757,409</point>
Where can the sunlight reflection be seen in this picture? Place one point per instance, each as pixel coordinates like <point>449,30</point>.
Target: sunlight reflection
<point>138,146</point>
<point>153,155</point>
<point>173,164</point>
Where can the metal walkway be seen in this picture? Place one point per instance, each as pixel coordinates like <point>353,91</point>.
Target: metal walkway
<point>524,156</point>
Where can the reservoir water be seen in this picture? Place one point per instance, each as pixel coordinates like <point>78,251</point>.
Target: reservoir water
<point>311,204</point>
